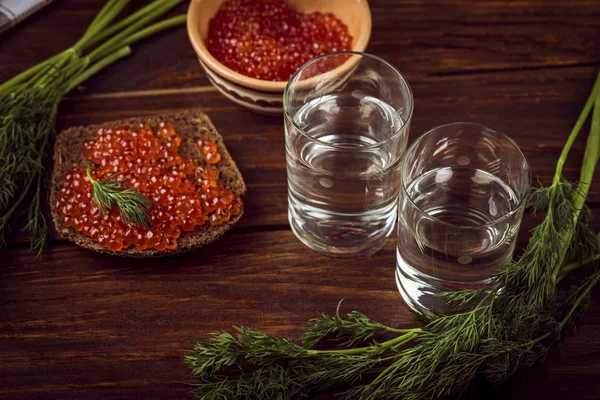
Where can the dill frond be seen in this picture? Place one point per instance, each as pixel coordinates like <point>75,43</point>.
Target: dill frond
<point>132,204</point>
<point>347,332</point>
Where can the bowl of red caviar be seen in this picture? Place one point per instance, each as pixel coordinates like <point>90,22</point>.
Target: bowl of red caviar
<point>249,49</point>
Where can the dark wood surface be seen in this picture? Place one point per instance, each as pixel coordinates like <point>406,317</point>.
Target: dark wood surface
<point>79,325</point>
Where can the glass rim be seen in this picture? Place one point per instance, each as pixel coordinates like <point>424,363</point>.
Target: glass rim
<point>509,214</point>
<point>342,147</point>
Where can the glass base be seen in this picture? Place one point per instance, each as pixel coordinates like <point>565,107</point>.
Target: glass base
<point>366,248</point>
<point>420,292</point>
<point>413,304</point>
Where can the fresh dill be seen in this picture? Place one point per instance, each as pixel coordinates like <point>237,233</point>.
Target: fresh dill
<point>358,328</point>
<point>506,329</point>
<point>29,102</point>
<point>132,204</point>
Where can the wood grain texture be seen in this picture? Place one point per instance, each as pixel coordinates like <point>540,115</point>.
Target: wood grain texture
<point>99,326</point>
<point>90,320</point>
<point>76,324</point>
<point>437,37</point>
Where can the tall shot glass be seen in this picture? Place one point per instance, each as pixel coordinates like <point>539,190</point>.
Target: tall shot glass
<point>464,188</point>
<point>347,117</point>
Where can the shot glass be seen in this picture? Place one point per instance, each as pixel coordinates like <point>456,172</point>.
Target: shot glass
<point>464,188</point>
<point>347,117</point>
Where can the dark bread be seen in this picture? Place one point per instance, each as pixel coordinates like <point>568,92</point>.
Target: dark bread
<point>191,126</point>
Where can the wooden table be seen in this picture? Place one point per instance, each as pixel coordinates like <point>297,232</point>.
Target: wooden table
<point>80,325</point>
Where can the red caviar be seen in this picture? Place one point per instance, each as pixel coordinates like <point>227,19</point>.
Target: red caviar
<point>183,193</point>
<point>265,39</point>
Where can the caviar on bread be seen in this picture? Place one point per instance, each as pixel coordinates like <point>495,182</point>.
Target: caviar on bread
<point>177,162</point>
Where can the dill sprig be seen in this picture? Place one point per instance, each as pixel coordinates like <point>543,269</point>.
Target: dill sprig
<point>359,328</point>
<point>508,328</point>
<point>132,205</point>
<point>26,133</point>
<point>29,102</point>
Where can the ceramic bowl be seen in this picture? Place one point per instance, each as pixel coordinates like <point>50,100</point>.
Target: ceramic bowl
<point>266,97</point>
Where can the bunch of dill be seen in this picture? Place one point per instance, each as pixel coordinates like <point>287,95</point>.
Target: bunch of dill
<point>506,329</point>
<point>29,102</point>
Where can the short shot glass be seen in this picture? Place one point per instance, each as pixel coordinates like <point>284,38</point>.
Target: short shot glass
<point>464,189</point>
<point>347,118</point>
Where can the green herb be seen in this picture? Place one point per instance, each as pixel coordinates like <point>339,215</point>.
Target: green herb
<point>132,205</point>
<point>29,101</point>
<point>506,330</point>
<point>347,333</point>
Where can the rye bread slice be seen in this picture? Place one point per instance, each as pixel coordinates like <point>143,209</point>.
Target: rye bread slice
<point>191,126</point>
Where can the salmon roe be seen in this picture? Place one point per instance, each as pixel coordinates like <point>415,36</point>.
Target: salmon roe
<point>265,39</point>
<point>183,193</point>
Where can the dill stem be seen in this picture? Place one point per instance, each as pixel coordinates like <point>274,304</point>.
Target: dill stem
<point>152,29</point>
<point>103,11</point>
<point>133,32</point>
<point>124,37</point>
<point>590,159</point>
<point>408,337</point>
<point>575,131</point>
<point>390,329</point>
<point>108,13</point>
<point>89,175</point>
<point>66,61</point>
<point>566,269</point>
<point>392,367</point>
<point>29,73</point>
<point>126,21</point>
<point>396,342</point>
